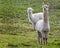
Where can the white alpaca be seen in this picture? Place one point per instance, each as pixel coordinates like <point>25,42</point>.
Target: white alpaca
<point>42,26</point>
<point>33,18</point>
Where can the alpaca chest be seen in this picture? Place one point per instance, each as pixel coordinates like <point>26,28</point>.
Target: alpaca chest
<point>46,27</point>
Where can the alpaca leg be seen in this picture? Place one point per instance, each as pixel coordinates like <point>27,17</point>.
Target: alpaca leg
<point>43,35</point>
<point>39,38</point>
<point>44,40</point>
<point>33,26</point>
<point>46,37</point>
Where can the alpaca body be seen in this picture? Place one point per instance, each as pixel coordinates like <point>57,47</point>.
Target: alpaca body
<point>42,26</point>
<point>36,17</point>
<point>33,18</point>
<point>39,26</point>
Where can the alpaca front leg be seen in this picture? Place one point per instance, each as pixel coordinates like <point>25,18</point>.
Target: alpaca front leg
<point>38,39</point>
<point>46,37</point>
<point>33,26</point>
<point>41,40</point>
<point>46,41</point>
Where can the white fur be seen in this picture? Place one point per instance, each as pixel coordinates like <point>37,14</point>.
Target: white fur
<point>39,25</point>
<point>37,16</point>
<point>33,18</point>
<point>42,26</point>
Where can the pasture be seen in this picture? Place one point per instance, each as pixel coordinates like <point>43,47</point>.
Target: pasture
<point>17,32</point>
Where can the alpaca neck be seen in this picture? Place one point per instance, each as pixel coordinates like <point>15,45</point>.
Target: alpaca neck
<point>29,14</point>
<point>46,19</point>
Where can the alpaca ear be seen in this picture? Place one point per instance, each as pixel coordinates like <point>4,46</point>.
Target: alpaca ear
<point>48,4</point>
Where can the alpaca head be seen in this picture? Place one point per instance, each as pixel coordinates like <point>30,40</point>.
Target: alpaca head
<point>45,7</point>
<point>29,10</point>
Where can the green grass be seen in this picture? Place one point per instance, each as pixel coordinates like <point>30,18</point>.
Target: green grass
<point>17,32</point>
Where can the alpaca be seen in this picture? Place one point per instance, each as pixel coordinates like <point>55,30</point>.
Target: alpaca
<point>42,26</point>
<point>33,18</point>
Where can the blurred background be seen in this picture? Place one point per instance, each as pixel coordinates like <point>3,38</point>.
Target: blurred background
<point>17,32</point>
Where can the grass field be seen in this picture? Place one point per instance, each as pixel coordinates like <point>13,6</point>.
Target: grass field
<point>17,32</point>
